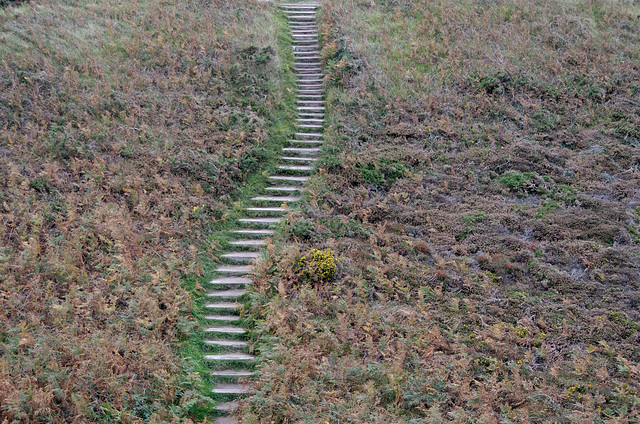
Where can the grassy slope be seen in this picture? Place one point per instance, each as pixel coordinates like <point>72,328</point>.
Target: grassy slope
<point>480,190</point>
<point>124,126</point>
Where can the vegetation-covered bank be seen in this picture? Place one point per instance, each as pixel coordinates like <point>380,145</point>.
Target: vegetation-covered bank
<point>124,126</point>
<point>479,189</point>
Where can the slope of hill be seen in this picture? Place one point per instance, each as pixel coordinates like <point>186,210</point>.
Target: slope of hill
<point>124,125</point>
<point>479,189</point>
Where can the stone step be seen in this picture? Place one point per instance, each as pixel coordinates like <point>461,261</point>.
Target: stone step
<point>302,150</point>
<point>313,47</point>
<point>232,280</point>
<point>282,199</point>
<point>275,209</point>
<point>226,343</point>
<point>234,269</point>
<point>249,242</point>
<point>227,293</point>
<point>234,389</point>
<point>225,420</point>
<point>225,330</point>
<point>264,232</point>
<point>309,96</point>
<point>310,120</point>
<point>230,357</point>
<point>261,221</point>
<point>298,159</point>
<point>295,168</point>
<point>314,135</point>
<point>301,17</point>
<point>232,373</point>
<point>288,178</point>
<point>306,126</point>
<point>285,188</point>
<point>223,305</point>
<point>222,317</point>
<point>311,142</point>
<point>310,107</point>
<point>240,256</point>
<point>227,407</point>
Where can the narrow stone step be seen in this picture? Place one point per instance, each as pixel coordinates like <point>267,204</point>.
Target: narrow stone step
<point>295,168</point>
<point>249,242</point>
<point>298,159</point>
<point>232,373</point>
<point>302,150</point>
<point>285,188</point>
<point>311,114</point>
<point>225,420</point>
<point>230,357</point>
<point>309,126</point>
<point>261,221</point>
<point>234,269</point>
<point>310,108</point>
<point>225,330</point>
<point>223,305</point>
<point>227,293</point>
<point>314,135</point>
<point>278,209</point>
<point>282,199</point>
<point>234,389</point>
<point>309,96</point>
<point>222,317</point>
<point>227,407</point>
<point>310,120</point>
<point>226,343</point>
<point>288,178</point>
<point>240,256</point>
<point>310,142</point>
<point>255,232</point>
<point>233,280</point>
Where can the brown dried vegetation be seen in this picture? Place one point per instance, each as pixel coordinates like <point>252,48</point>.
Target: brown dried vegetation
<point>117,119</point>
<point>480,189</point>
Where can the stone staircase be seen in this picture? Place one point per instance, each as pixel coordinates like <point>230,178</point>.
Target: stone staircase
<point>231,362</point>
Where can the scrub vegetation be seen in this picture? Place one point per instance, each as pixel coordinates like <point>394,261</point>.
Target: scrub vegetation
<point>124,127</point>
<point>478,191</point>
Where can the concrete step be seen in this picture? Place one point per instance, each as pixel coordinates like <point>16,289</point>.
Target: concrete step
<point>288,178</point>
<point>230,357</point>
<point>278,209</point>
<point>313,135</point>
<point>234,269</point>
<point>282,199</point>
<point>222,318</point>
<point>309,142</point>
<point>234,389</point>
<point>227,293</point>
<point>299,159</point>
<point>232,373</point>
<point>285,188</point>
<point>226,343</point>
<point>295,168</point>
<point>311,151</point>
<point>261,221</point>
<point>264,232</point>
<point>227,306</point>
<point>225,330</point>
<point>310,107</point>
<point>240,256</point>
<point>310,120</point>
<point>225,420</point>
<point>232,280</point>
<point>249,242</point>
<point>227,407</point>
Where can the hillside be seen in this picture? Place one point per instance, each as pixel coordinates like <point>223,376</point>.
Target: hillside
<point>479,190</point>
<point>124,127</point>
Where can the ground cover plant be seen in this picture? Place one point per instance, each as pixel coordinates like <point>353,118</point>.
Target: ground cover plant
<point>124,127</point>
<point>479,196</point>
